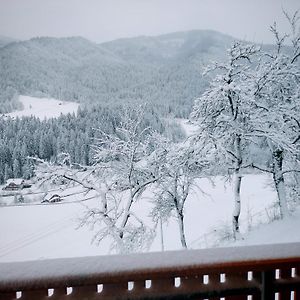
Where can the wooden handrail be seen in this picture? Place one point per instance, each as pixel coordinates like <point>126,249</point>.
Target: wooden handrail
<point>236,271</point>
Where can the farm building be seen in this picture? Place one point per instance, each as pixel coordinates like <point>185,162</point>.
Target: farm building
<point>14,184</point>
<point>52,197</point>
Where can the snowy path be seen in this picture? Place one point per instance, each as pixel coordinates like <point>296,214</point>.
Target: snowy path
<point>187,126</point>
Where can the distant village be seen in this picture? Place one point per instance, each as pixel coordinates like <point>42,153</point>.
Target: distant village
<point>17,188</point>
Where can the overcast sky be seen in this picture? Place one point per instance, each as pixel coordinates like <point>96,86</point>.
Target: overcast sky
<point>102,20</point>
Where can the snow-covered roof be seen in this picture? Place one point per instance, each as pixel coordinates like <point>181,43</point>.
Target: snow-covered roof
<point>17,181</point>
<point>51,195</point>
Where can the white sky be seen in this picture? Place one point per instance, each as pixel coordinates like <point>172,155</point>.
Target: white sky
<point>102,20</point>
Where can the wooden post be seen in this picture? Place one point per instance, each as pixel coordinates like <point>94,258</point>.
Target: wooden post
<point>267,292</point>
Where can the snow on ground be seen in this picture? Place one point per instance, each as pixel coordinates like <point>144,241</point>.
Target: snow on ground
<point>209,210</point>
<point>49,231</point>
<point>283,231</point>
<point>44,108</point>
<point>44,231</point>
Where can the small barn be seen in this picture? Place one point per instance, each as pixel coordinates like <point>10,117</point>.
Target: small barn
<point>52,198</point>
<point>14,184</point>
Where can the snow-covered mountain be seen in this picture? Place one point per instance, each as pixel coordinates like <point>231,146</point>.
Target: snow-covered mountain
<point>4,40</point>
<point>172,47</point>
<point>165,70</point>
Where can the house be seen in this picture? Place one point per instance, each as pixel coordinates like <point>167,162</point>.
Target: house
<point>52,198</point>
<point>14,184</point>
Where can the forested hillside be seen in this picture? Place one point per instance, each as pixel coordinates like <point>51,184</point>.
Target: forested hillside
<point>4,40</point>
<point>30,136</point>
<point>164,70</point>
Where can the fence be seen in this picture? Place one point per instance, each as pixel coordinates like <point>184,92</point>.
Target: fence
<point>253,272</point>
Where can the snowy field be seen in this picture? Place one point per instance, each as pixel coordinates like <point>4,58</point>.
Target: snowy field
<point>40,231</point>
<point>36,231</point>
<point>44,108</point>
<point>280,231</point>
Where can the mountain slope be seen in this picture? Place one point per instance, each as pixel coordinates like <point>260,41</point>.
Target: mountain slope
<point>164,70</point>
<point>4,40</point>
<point>171,47</point>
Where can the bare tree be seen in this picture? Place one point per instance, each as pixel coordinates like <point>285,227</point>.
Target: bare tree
<point>222,112</point>
<point>276,109</point>
<point>118,178</point>
<point>178,167</point>
<point>123,157</point>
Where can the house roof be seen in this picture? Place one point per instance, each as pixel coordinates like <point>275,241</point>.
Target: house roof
<point>51,195</point>
<point>17,181</point>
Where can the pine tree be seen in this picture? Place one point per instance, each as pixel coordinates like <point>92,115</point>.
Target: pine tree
<point>17,172</point>
<point>7,172</point>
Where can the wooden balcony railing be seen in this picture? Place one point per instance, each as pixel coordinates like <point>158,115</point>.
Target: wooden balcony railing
<point>254,272</point>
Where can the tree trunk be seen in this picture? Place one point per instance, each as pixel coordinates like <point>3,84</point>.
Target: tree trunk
<point>126,214</point>
<point>181,230</point>
<point>237,188</point>
<point>237,204</point>
<point>161,235</point>
<point>279,182</point>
